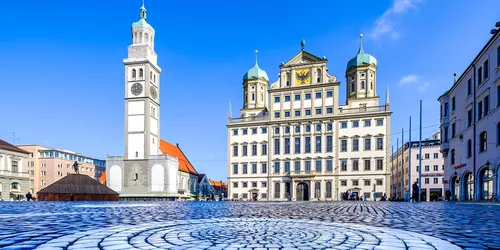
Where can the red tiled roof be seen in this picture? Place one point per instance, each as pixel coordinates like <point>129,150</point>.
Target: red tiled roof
<point>175,151</point>
<point>102,179</point>
<point>7,146</point>
<point>218,184</point>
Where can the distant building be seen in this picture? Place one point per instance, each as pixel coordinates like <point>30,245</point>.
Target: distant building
<point>470,127</point>
<point>205,189</point>
<point>14,179</point>
<point>48,165</point>
<point>293,139</point>
<point>220,189</point>
<point>432,170</point>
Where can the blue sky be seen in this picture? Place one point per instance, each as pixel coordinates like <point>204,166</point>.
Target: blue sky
<point>62,72</point>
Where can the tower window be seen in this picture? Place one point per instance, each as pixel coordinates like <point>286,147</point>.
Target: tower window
<point>154,78</point>
<point>141,73</point>
<point>136,177</point>
<point>253,97</point>
<point>136,154</point>
<point>352,87</point>
<point>371,85</point>
<point>134,73</point>
<point>150,74</point>
<point>147,38</point>
<point>362,84</point>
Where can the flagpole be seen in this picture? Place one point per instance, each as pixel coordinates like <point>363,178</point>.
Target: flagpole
<point>409,160</point>
<point>420,158</point>
<point>397,167</point>
<point>392,170</point>
<point>403,163</point>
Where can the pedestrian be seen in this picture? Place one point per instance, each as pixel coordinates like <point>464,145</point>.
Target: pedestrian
<point>415,192</point>
<point>448,195</point>
<point>28,196</point>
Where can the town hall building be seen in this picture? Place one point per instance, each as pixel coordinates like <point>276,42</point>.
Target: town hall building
<point>294,141</point>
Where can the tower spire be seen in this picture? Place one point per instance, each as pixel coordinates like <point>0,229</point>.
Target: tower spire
<point>256,57</point>
<point>360,51</point>
<point>143,11</point>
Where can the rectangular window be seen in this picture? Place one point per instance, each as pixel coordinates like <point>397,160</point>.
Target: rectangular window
<point>276,114</point>
<point>329,165</point>
<point>367,183</point>
<point>235,132</point>
<point>355,182</point>
<point>235,184</point>
<point>287,98</point>
<point>436,168</point>
<point>235,150</point>
<point>264,130</point>
<point>276,146</point>
<point>469,87</point>
<point>318,95</point>
<point>445,129</point>
<point>245,150</point>
<point>318,144</point>
<point>254,149</point>
<point>469,118</point>
<point>287,167</point>
<point>245,131</point>
<point>318,166</point>
<point>343,147</point>
<point>329,110</point>
<point>368,123</point>
<point>264,149</point>
<point>276,167</point>
<point>308,96</point>
<point>368,144</point>
<point>318,111</point>
<point>287,145</point>
<point>14,165</point>
<point>287,113</point>
<point>308,144</point>
<point>498,96</point>
<point>277,131</point>
<point>329,143</point>
<point>355,144</point>
<point>245,169</point>
<point>379,183</point>
<point>329,94</point>
<point>436,180</point>
<point>297,129</point>
<point>264,169</point>
<point>427,156</point>
<point>343,183</point>
<point>343,165</point>
<point>297,113</point>
<point>287,130</point>
<point>235,169</point>
<point>498,56</point>
<point>452,104</point>
<point>436,155</point>
<point>426,180</point>
<point>355,165</point>
<point>254,168</point>
<point>380,143</point>
<point>367,165</point>
<point>254,131</point>
<point>486,70</point>
<point>329,127</point>
<point>479,110</point>
<point>308,128</point>
<point>355,124</point>
<point>446,109</point>
<point>297,145</point>
<point>343,125</point>
<point>452,130</point>
<point>276,99</point>
<point>380,165</point>
<point>479,75</point>
<point>427,168</point>
<point>486,101</point>
<point>297,97</point>
<point>308,112</point>
<point>297,166</point>
<point>380,122</point>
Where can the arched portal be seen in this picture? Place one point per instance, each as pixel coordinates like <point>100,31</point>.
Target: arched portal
<point>302,192</point>
<point>455,188</point>
<point>485,184</point>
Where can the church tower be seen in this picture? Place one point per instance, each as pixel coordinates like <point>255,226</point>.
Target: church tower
<point>142,88</point>
<point>361,77</point>
<point>255,87</point>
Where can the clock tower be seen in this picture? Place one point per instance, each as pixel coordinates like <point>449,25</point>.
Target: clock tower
<point>142,88</point>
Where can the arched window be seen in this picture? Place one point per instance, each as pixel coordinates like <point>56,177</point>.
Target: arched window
<point>469,148</point>
<point>483,141</point>
<point>452,156</point>
<point>328,189</point>
<point>147,37</point>
<point>134,73</point>
<point>140,37</point>
<point>318,73</point>
<point>317,189</point>
<point>141,73</point>
<point>287,79</point>
<point>362,84</point>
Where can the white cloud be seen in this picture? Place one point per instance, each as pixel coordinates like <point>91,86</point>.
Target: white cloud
<point>415,80</point>
<point>385,24</point>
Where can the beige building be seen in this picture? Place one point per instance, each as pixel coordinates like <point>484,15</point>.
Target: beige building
<point>302,144</point>
<point>48,165</point>
<point>432,171</point>
<point>14,181</point>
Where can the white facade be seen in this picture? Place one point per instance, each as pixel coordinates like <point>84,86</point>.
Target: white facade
<point>14,178</point>
<point>300,146</point>
<point>432,169</point>
<point>470,128</point>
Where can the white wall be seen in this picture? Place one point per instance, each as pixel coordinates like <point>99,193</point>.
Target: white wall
<point>135,144</point>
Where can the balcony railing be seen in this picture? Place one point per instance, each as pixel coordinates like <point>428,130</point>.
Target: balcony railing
<point>249,119</point>
<point>381,108</point>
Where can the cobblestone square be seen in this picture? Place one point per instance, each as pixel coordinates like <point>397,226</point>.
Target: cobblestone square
<point>245,225</point>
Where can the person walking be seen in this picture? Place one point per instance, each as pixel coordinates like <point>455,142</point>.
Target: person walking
<point>414,197</point>
<point>448,195</point>
<point>28,196</point>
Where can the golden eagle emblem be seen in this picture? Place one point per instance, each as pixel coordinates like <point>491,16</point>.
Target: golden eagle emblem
<point>302,77</point>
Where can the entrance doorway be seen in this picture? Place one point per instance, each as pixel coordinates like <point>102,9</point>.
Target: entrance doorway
<point>288,191</point>
<point>302,192</point>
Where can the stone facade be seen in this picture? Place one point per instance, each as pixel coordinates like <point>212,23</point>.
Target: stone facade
<point>300,147</point>
<point>14,179</point>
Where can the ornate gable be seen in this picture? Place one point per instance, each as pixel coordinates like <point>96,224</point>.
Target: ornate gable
<point>303,57</point>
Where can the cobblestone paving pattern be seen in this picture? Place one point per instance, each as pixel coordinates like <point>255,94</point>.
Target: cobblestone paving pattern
<point>234,225</point>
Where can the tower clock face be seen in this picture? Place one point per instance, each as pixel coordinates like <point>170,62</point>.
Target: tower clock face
<point>153,92</point>
<point>136,89</point>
